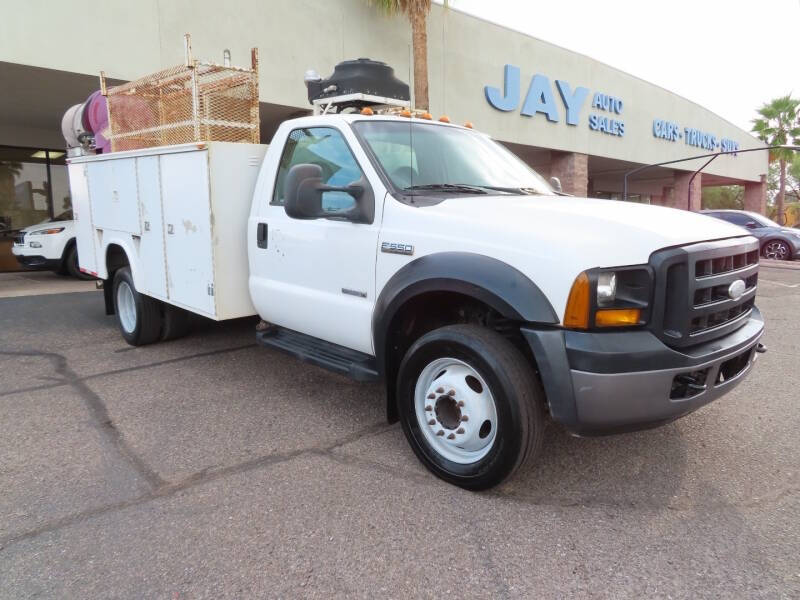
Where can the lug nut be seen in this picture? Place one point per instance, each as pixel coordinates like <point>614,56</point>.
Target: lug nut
<point>452,436</point>
<point>460,430</point>
<point>460,404</point>
<point>432,422</point>
<point>431,396</point>
<point>440,390</point>
<point>464,418</point>
<point>428,407</point>
<point>451,393</point>
<point>440,432</point>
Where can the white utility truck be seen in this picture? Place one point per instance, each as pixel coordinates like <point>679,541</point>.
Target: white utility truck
<point>426,255</point>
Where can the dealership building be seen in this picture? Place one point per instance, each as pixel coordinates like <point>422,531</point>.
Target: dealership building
<point>565,114</point>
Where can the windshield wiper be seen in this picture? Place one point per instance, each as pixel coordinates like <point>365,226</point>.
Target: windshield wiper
<point>447,187</point>
<point>514,190</point>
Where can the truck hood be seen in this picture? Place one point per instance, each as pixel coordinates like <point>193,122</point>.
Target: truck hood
<point>610,232</point>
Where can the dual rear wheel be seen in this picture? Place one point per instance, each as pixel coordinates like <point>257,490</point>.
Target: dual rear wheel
<point>142,319</point>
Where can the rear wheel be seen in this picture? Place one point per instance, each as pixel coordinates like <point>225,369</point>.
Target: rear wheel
<point>776,250</point>
<point>469,405</point>
<point>138,316</point>
<point>177,322</point>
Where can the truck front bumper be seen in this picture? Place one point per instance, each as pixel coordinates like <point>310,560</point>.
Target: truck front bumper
<point>609,382</point>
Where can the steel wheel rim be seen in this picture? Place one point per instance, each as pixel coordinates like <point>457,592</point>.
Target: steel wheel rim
<point>776,251</point>
<point>126,307</point>
<point>455,410</point>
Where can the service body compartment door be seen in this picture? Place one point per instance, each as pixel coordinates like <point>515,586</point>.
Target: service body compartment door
<point>82,212</point>
<point>153,275</point>
<point>114,195</point>
<point>187,229</point>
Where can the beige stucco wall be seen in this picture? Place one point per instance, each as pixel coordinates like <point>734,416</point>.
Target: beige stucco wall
<point>129,39</point>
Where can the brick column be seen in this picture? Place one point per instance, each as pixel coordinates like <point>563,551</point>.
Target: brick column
<point>573,171</point>
<point>680,193</point>
<point>755,196</point>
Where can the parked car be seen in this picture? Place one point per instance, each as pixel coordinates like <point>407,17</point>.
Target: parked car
<point>50,245</point>
<point>777,242</point>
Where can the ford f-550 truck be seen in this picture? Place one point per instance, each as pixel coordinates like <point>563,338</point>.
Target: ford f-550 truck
<point>426,255</point>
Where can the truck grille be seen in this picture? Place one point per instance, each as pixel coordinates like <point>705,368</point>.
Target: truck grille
<point>696,297</point>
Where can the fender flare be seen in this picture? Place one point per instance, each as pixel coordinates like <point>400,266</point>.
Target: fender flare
<point>495,283</point>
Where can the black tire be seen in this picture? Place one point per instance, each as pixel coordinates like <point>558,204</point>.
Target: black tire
<point>146,312</point>
<point>518,400</point>
<point>71,265</point>
<point>177,322</point>
<point>776,250</point>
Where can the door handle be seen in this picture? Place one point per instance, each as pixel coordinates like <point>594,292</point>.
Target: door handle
<point>170,229</point>
<point>262,235</point>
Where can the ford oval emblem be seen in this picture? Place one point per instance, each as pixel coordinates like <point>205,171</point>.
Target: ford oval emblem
<point>736,289</point>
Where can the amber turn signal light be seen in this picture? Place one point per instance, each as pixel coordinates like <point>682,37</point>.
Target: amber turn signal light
<point>617,317</point>
<point>576,314</point>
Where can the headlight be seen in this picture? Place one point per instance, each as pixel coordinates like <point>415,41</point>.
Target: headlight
<point>602,298</point>
<point>606,288</point>
<point>47,231</point>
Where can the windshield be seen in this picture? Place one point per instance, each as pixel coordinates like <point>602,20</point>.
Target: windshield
<point>417,155</point>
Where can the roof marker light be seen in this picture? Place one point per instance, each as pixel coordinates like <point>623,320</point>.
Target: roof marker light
<point>468,124</point>
<point>367,111</point>
<point>444,119</point>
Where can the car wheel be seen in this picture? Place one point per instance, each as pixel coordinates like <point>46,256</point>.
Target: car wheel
<point>138,316</point>
<point>72,266</point>
<point>470,405</point>
<point>776,250</point>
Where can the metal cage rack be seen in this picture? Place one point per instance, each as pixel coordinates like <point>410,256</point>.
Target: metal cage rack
<point>193,102</point>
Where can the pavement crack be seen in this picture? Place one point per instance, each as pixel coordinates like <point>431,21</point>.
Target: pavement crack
<point>62,382</point>
<point>166,489</point>
<point>99,412</point>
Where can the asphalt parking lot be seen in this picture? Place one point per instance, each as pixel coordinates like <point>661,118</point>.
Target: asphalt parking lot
<point>209,467</point>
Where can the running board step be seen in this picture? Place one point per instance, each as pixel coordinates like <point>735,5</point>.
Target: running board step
<point>351,363</point>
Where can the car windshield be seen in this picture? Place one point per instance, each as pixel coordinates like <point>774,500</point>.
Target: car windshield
<point>425,156</point>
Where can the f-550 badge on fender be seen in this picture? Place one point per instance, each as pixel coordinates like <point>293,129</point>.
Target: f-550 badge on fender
<point>397,248</point>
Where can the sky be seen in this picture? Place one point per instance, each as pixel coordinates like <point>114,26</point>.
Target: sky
<point>724,55</point>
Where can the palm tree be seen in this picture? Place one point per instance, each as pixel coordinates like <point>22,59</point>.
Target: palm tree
<point>779,124</point>
<point>417,12</point>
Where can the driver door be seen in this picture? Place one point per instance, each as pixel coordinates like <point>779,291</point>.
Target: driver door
<point>317,276</point>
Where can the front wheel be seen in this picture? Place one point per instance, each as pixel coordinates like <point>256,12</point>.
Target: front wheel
<point>470,406</point>
<point>138,316</point>
<point>777,250</point>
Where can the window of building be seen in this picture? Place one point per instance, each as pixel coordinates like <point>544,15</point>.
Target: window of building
<point>34,187</point>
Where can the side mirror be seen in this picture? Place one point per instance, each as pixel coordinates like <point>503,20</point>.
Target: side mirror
<point>303,198</point>
<point>303,189</point>
<point>751,225</point>
<point>555,183</point>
